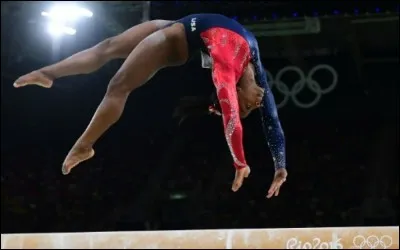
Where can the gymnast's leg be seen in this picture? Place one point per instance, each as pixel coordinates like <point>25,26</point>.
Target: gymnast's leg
<point>166,47</point>
<point>87,61</point>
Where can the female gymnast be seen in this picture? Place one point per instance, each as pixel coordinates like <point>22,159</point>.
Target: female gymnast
<point>237,74</point>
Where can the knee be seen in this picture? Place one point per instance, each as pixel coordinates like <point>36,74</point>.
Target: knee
<point>118,85</point>
<point>161,23</point>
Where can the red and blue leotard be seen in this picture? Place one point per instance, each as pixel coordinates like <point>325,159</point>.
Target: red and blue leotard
<point>231,48</point>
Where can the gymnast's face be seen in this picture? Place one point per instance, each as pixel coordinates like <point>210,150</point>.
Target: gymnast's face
<point>249,93</point>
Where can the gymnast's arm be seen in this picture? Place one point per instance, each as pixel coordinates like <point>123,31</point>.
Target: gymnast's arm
<point>271,124</point>
<point>269,114</point>
<point>228,100</point>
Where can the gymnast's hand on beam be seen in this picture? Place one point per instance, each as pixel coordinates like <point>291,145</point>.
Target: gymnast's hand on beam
<point>239,177</point>
<point>34,78</point>
<point>279,178</point>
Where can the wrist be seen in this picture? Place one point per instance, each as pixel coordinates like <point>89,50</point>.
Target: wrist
<point>240,166</point>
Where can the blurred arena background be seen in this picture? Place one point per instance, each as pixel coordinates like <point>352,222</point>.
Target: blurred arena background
<point>151,174</point>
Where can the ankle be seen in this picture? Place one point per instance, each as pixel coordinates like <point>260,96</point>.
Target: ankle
<point>48,74</point>
<point>83,144</point>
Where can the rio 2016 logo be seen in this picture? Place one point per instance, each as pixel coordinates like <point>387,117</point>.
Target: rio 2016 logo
<point>358,242</point>
<point>316,243</point>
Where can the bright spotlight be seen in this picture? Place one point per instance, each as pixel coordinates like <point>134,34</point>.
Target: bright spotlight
<point>67,13</point>
<point>58,29</point>
<point>85,12</point>
<point>62,16</point>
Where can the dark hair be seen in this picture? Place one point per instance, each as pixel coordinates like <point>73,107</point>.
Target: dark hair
<point>191,106</point>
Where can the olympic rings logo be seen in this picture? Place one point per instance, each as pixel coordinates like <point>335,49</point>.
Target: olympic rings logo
<point>372,242</point>
<point>303,82</point>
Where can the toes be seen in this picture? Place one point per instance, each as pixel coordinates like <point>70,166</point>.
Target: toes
<point>18,84</point>
<point>72,161</point>
<point>36,81</point>
<point>70,164</point>
<point>64,170</point>
<point>66,167</point>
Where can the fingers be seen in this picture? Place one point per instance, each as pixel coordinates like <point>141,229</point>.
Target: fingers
<point>277,192</point>
<point>238,182</point>
<point>236,185</point>
<point>239,177</point>
<point>274,189</point>
<point>247,172</point>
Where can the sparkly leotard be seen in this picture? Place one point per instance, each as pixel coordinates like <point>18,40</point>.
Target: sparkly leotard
<point>231,47</point>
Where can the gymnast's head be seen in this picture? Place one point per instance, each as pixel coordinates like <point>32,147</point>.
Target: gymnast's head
<point>250,95</point>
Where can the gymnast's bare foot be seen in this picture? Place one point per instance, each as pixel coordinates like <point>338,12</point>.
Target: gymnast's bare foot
<point>76,155</point>
<point>34,78</point>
